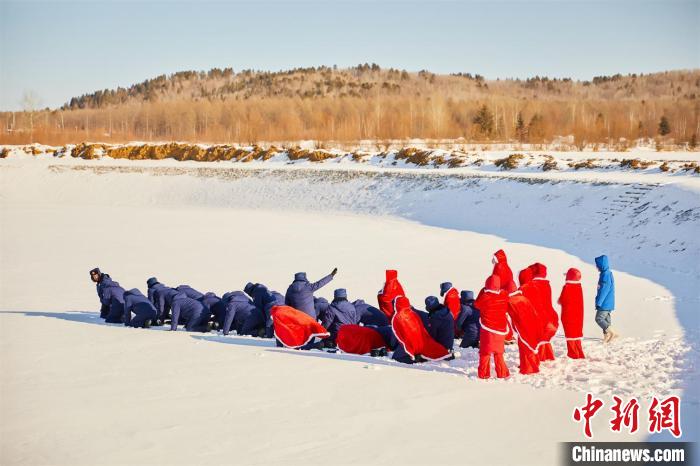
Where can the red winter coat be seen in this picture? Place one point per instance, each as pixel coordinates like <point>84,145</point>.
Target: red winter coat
<point>492,306</point>
<point>525,320</point>
<point>412,335</point>
<point>571,301</point>
<point>356,339</point>
<point>545,309</point>
<point>501,268</point>
<point>392,289</point>
<point>294,328</point>
<point>452,302</point>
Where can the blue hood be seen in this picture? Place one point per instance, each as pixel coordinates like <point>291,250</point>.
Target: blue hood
<point>602,263</point>
<point>466,296</point>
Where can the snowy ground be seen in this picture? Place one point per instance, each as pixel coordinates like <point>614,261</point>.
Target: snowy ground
<point>75,391</point>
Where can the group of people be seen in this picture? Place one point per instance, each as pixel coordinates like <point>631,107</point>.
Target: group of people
<point>502,313</point>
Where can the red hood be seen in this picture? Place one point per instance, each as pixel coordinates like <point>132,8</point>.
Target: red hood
<point>391,275</point>
<point>493,283</point>
<point>539,270</point>
<point>573,275</point>
<point>401,303</point>
<point>500,256</point>
<point>525,276</point>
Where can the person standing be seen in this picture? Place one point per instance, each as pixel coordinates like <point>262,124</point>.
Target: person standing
<point>605,298</point>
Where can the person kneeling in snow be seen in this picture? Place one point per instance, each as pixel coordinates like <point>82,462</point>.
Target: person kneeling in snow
<point>189,291</point>
<point>571,302</point>
<point>605,298</point>
<point>111,297</point>
<point>296,329</point>
<point>451,298</point>
<point>442,325</point>
<point>191,312</point>
<point>493,306</point>
<point>153,287</point>
<point>356,339</point>
<point>392,289</point>
<point>241,315</point>
<point>414,342</point>
<point>300,294</point>
<point>468,321</point>
<point>527,326</point>
<point>340,312</point>
<point>144,311</point>
<point>370,315</point>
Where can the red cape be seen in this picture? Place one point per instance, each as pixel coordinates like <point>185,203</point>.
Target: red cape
<point>545,310</point>
<point>571,300</point>
<point>452,302</point>
<point>356,339</point>
<point>412,335</point>
<point>392,289</point>
<point>294,328</point>
<point>524,318</point>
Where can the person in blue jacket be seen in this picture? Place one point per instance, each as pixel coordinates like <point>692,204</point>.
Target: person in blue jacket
<point>210,300</point>
<point>113,298</point>
<point>153,286</point>
<point>370,315</point>
<point>300,294</point>
<point>189,291</point>
<point>241,315</point>
<point>605,298</point>
<point>144,311</point>
<point>468,320</point>
<point>273,299</point>
<point>100,279</point>
<point>190,311</point>
<point>442,324</point>
<point>163,298</point>
<point>340,312</point>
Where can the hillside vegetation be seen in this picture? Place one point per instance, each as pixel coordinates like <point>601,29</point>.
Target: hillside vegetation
<point>369,102</point>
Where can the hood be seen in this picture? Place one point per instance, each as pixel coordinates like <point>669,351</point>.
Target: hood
<point>445,287</point>
<point>573,275</point>
<point>525,276</point>
<point>493,283</point>
<point>431,303</point>
<point>151,281</point>
<point>401,303</point>
<point>133,292</point>
<point>320,300</point>
<point>539,270</point>
<point>466,295</point>
<point>391,275</point>
<point>340,293</point>
<point>510,287</point>
<point>300,277</point>
<point>500,256</point>
<point>602,263</point>
<point>248,288</point>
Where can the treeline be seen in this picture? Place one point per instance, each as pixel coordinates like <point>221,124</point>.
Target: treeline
<point>368,102</point>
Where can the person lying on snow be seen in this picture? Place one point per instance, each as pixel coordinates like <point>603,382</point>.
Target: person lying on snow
<point>414,342</point>
<point>441,324</point>
<point>144,311</point>
<point>370,315</point>
<point>241,315</point>
<point>190,312</point>
<point>545,310</point>
<point>451,298</point>
<point>296,329</point>
<point>392,289</point>
<point>468,320</point>
<point>300,294</point>
<point>493,306</point>
<point>527,327</point>
<point>605,298</point>
<point>571,302</point>
<point>340,312</point>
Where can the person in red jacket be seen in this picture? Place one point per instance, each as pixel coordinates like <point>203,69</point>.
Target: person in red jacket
<point>451,300</point>
<point>571,302</point>
<point>501,268</point>
<point>526,324</point>
<point>545,310</point>
<point>492,303</point>
<point>392,288</point>
<point>529,290</point>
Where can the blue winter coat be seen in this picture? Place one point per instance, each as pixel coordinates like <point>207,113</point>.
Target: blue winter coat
<point>112,299</point>
<point>152,290</point>
<point>164,299</point>
<point>370,315</point>
<point>241,315</point>
<point>273,299</point>
<point>189,291</point>
<point>605,297</point>
<point>259,294</point>
<point>300,294</point>
<point>143,309</point>
<point>210,300</point>
<point>468,322</point>
<point>442,326</point>
<point>189,311</point>
<point>340,312</point>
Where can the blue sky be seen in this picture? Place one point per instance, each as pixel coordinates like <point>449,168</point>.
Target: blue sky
<point>61,49</point>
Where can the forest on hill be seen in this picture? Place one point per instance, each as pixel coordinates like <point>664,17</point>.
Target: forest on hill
<point>370,102</point>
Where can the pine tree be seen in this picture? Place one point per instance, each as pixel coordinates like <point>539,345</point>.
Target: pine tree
<point>664,126</point>
<point>484,120</point>
<point>520,128</point>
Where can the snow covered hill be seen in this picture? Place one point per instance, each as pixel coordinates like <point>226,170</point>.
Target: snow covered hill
<point>216,226</point>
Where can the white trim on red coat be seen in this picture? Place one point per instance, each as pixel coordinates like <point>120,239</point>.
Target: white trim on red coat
<point>573,282</point>
<point>491,291</point>
<point>540,278</point>
<point>574,338</point>
<point>393,305</point>
<point>495,332</point>
<point>311,337</point>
